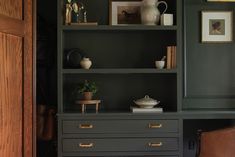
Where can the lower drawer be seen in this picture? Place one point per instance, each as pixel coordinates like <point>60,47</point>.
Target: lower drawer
<point>120,144</point>
<point>130,156</point>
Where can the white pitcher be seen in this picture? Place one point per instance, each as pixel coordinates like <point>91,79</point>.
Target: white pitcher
<point>150,15</point>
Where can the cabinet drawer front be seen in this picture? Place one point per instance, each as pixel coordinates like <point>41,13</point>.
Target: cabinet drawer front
<point>120,144</point>
<point>120,126</point>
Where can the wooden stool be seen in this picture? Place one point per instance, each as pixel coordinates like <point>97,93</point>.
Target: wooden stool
<point>89,102</point>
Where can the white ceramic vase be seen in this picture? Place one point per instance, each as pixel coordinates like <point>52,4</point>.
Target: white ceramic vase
<point>86,63</point>
<point>150,15</point>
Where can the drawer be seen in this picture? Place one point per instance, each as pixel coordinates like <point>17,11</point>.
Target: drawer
<point>120,126</point>
<point>120,144</point>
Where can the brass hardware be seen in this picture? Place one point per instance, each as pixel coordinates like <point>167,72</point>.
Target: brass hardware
<point>85,126</point>
<point>158,144</point>
<point>155,126</point>
<point>86,145</point>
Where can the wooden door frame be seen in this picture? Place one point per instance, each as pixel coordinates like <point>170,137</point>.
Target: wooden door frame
<point>26,28</point>
<point>34,112</point>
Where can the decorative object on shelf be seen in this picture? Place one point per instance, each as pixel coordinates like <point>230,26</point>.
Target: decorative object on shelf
<point>163,58</point>
<point>85,63</point>
<point>73,58</point>
<point>150,15</point>
<point>167,19</point>
<point>78,9</point>
<point>220,0</point>
<point>160,64</point>
<point>217,26</point>
<point>171,57</point>
<point>146,102</point>
<point>84,103</point>
<point>80,15</point>
<point>88,89</point>
<point>124,12</point>
<point>146,110</point>
<point>68,12</point>
<point>85,16</point>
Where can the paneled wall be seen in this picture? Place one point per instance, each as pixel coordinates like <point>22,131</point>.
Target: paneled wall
<point>209,76</point>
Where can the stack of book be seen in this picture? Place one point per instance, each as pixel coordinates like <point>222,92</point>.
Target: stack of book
<point>171,57</point>
<point>146,110</point>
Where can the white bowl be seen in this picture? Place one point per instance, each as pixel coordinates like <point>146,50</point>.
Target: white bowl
<point>146,102</point>
<point>160,64</point>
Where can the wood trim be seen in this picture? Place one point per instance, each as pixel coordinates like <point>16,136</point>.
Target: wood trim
<point>11,26</point>
<point>34,76</point>
<point>28,80</point>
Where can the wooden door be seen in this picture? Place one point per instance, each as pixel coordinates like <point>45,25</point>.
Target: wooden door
<point>16,78</point>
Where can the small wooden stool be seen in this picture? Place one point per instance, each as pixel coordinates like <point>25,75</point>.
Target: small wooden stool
<point>89,102</point>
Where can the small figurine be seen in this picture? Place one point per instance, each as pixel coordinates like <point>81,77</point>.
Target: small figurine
<point>85,17</point>
<point>77,8</point>
<point>68,11</point>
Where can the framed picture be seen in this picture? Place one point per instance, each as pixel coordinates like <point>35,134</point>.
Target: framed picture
<point>217,26</point>
<point>124,12</point>
<point>220,0</point>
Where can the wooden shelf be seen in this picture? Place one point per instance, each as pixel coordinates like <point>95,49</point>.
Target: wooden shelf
<point>118,71</point>
<point>118,28</point>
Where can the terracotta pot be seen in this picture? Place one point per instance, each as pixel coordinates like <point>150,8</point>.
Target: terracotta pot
<point>88,95</point>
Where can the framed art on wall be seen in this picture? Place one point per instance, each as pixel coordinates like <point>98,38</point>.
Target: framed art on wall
<point>217,26</point>
<point>124,12</point>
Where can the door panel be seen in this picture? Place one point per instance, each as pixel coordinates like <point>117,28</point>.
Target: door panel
<point>11,8</point>
<point>11,95</point>
<point>16,79</point>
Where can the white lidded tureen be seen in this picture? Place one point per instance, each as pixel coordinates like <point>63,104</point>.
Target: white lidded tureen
<point>146,102</point>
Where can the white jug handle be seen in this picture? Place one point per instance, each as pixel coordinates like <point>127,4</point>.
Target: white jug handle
<point>166,6</point>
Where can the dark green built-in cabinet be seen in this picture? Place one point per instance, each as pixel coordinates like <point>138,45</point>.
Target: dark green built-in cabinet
<point>198,94</point>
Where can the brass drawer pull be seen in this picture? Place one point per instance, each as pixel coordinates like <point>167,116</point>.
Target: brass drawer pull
<point>86,145</point>
<point>85,126</point>
<point>158,144</point>
<point>155,126</point>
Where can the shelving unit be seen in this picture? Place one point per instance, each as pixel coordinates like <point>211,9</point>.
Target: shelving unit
<point>123,67</point>
<point>124,70</point>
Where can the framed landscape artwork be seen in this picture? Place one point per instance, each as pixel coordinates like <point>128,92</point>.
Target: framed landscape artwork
<point>124,12</point>
<point>217,26</point>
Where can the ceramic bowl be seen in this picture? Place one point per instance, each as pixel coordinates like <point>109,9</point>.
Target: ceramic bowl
<point>146,102</point>
<point>160,64</point>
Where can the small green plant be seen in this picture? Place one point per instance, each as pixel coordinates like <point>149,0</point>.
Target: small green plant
<point>87,87</point>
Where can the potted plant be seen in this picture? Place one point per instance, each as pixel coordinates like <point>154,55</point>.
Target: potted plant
<point>87,89</point>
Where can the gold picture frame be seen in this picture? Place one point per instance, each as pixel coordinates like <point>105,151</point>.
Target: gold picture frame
<point>216,26</point>
<point>124,12</point>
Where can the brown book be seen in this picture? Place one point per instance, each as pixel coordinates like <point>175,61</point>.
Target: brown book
<point>168,57</point>
<point>173,56</point>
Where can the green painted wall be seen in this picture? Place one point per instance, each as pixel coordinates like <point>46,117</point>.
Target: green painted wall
<point>209,75</point>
